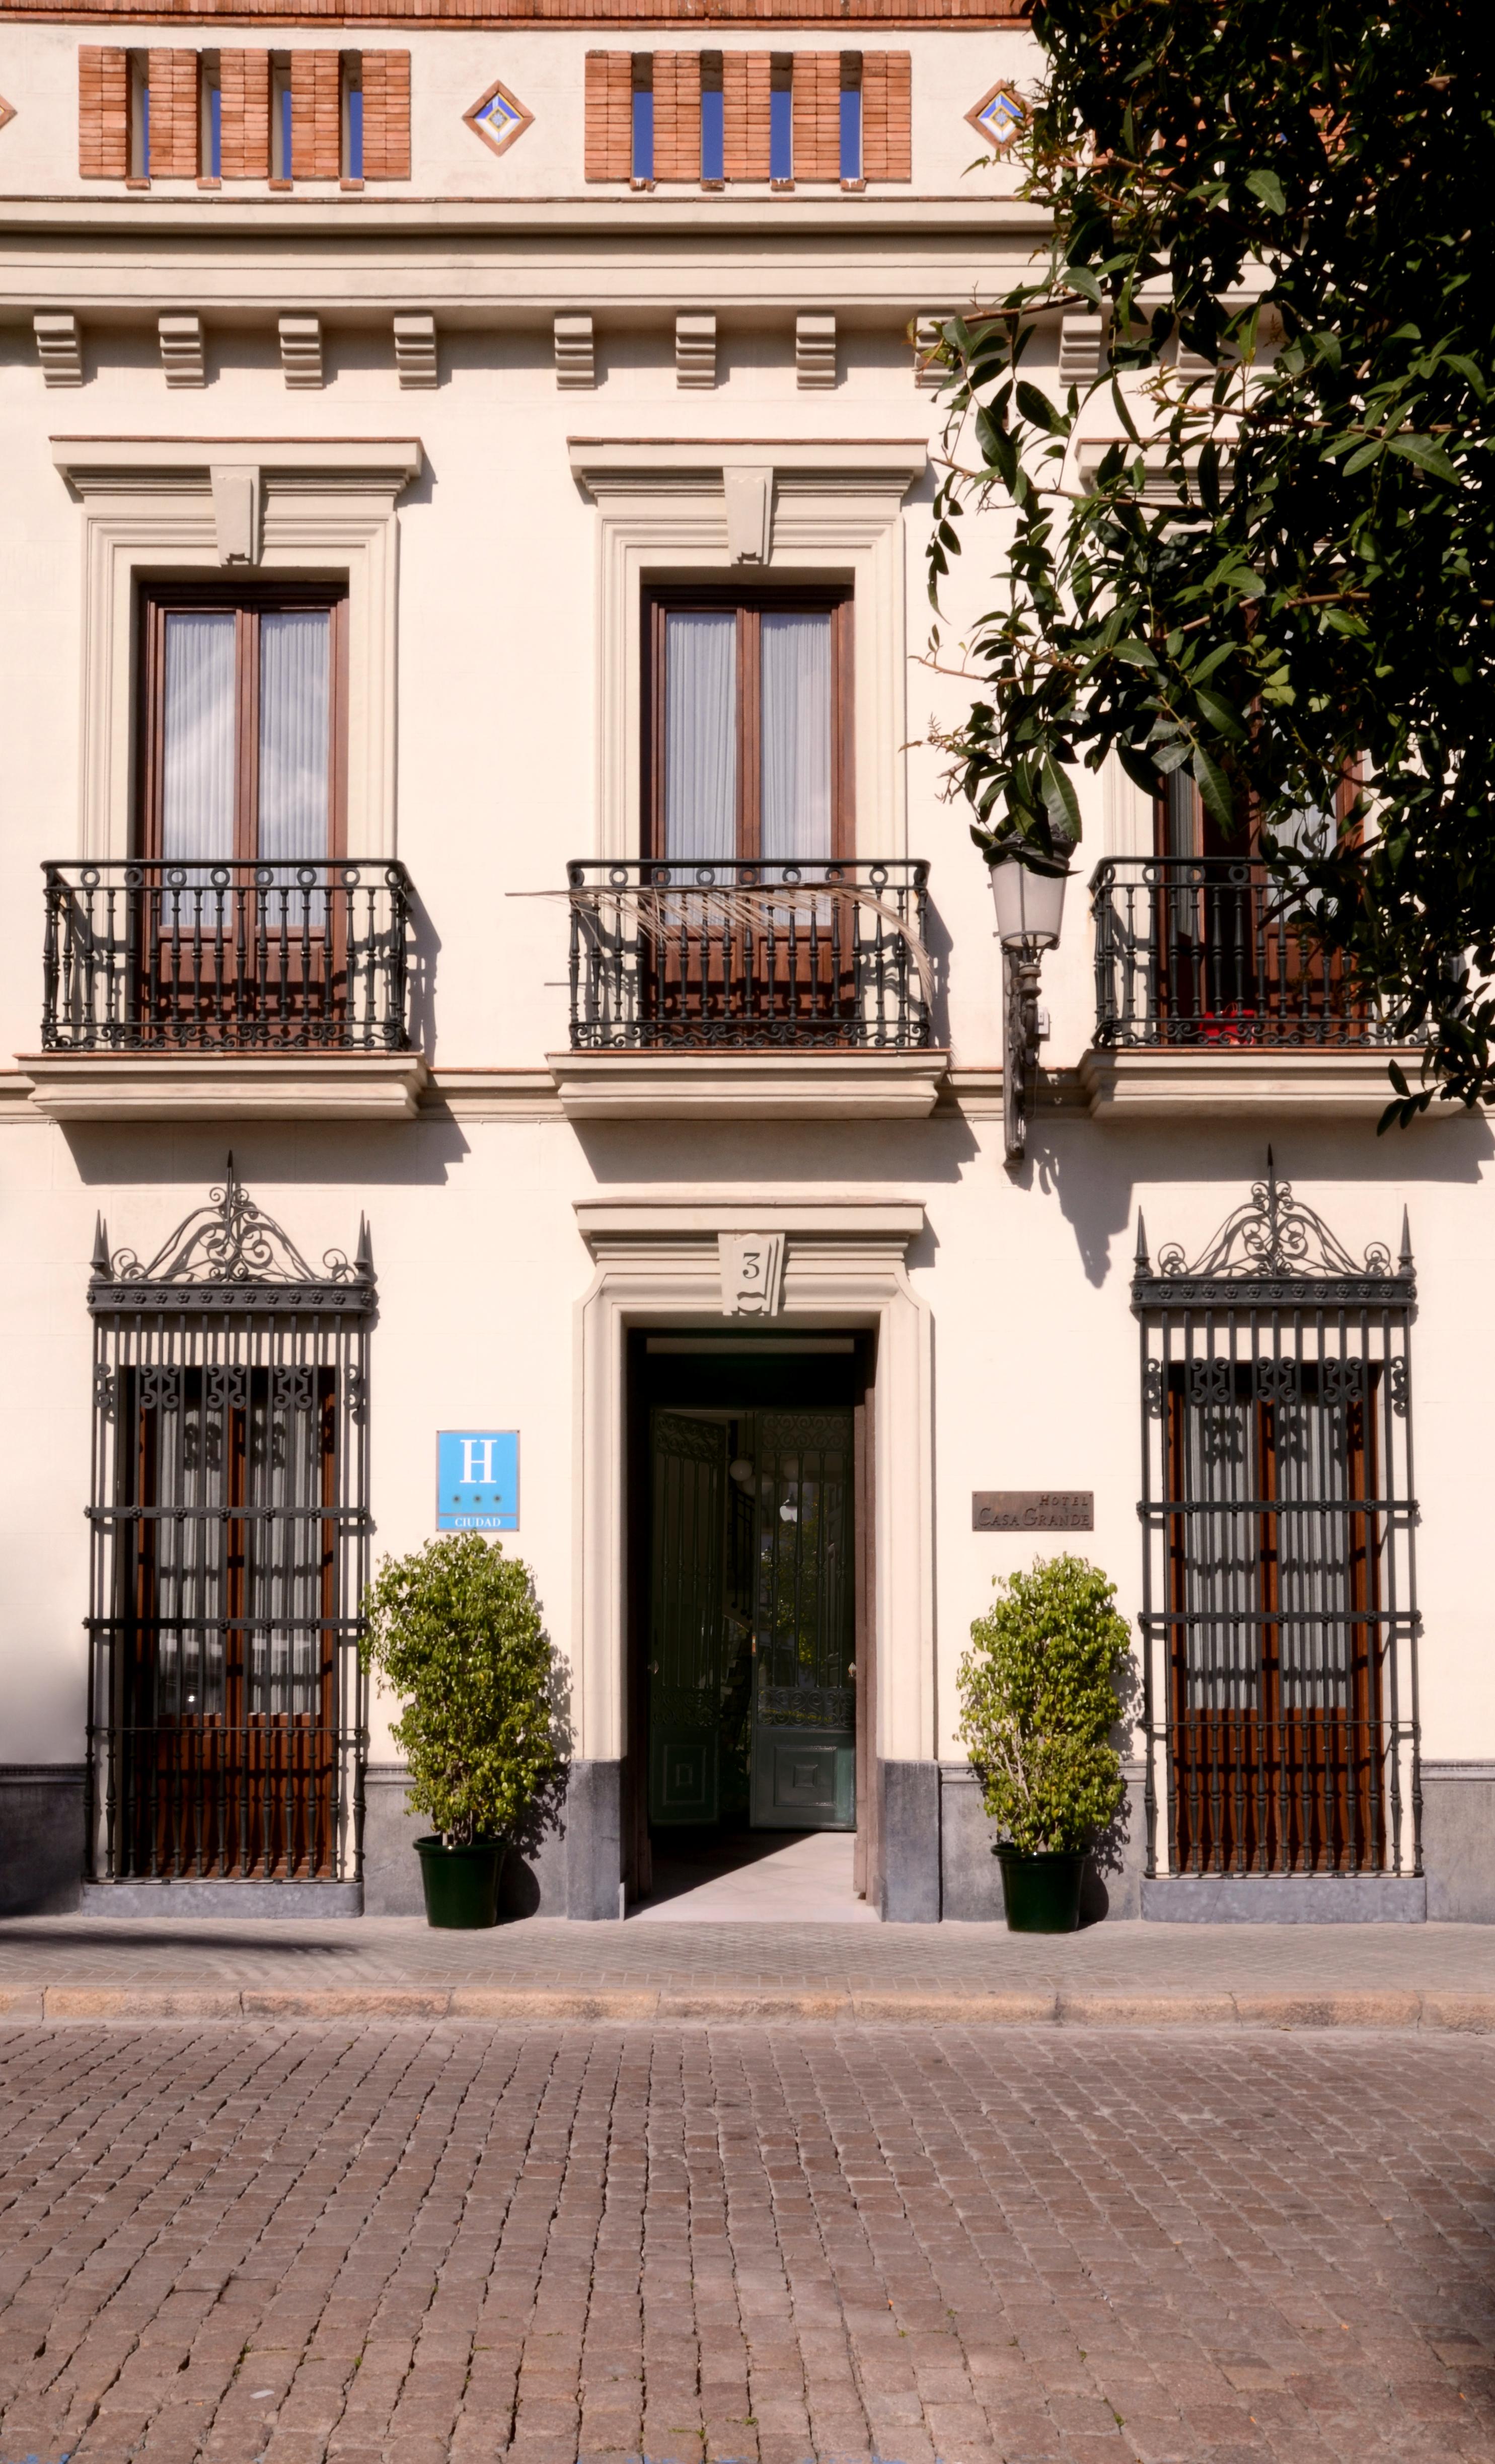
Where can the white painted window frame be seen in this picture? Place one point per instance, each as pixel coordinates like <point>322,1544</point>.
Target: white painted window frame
<point>827,511</point>
<point>195,505</point>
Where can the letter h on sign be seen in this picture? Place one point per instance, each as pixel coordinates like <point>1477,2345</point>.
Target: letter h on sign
<point>477,1480</point>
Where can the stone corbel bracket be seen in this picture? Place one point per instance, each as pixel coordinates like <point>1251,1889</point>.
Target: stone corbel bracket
<point>286,505</point>
<point>723,506</point>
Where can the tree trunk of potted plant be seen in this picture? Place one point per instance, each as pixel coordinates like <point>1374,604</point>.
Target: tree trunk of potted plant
<point>1038,1701</point>
<point>455,1630</point>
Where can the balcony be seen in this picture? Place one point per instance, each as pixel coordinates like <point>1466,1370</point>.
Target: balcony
<point>749,990</point>
<point>233,989</point>
<point>1209,993</point>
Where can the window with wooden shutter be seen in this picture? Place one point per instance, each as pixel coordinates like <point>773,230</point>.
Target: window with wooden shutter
<point>172,83</point>
<point>316,115</point>
<point>386,115</point>
<point>104,111</point>
<point>1278,1618</point>
<point>609,115</point>
<point>677,114</point>
<point>887,116</point>
<point>817,116</point>
<point>746,84</point>
<point>244,124</point>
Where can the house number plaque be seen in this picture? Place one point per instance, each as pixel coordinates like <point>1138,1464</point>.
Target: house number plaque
<point>1033,1509</point>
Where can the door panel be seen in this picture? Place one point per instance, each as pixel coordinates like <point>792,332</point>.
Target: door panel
<point>688,1461</point>
<point>804,1747</point>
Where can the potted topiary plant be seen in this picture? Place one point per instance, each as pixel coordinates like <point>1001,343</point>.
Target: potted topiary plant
<point>454,1628</point>
<point>1039,1699</point>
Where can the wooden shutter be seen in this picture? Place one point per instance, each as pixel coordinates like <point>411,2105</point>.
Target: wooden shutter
<point>817,114</point>
<point>386,115</point>
<point>887,116</point>
<point>103,113</point>
<point>317,115</point>
<point>677,114</point>
<point>609,115</point>
<point>172,78</point>
<point>746,79</point>
<point>244,79</point>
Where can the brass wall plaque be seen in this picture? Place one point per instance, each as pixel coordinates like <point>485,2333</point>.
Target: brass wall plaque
<point>1033,1509</point>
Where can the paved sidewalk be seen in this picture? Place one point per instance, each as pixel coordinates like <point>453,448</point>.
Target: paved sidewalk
<point>1405,1977</point>
<point>404,2245</point>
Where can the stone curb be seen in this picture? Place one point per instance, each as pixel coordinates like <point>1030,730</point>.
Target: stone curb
<point>1386,2008</point>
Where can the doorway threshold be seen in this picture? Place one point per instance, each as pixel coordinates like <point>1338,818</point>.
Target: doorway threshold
<point>805,1878</point>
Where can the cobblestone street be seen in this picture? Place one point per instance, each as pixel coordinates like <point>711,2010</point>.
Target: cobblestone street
<point>403,2244</point>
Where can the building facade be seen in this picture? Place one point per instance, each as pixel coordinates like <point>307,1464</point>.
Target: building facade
<point>505,1030</point>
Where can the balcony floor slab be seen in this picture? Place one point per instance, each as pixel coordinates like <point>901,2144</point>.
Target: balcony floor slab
<point>226,1087</point>
<point>781,1086</point>
<point>1196,1083</point>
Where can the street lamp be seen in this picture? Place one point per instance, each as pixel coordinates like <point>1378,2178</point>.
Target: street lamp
<point>1028,893</point>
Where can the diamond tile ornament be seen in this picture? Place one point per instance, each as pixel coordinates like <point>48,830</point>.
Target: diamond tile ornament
<point>999,117</point>
<point>498,118</point>
<point>6,111</point>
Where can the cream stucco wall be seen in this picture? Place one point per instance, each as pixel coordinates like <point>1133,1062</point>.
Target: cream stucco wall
<point>480,1261</point>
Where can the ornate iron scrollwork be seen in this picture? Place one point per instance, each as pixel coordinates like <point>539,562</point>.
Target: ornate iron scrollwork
<point>1280,1246</point>
<point>230,1241</point>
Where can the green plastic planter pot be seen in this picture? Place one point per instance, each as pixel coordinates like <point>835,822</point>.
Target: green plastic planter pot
<point>1042,1893</point>
<point>461,1884</point>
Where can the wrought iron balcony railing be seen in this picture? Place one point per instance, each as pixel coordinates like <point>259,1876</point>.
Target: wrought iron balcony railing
<point>1203,952</point>
<point>145,955</point>
<point>681,956</point>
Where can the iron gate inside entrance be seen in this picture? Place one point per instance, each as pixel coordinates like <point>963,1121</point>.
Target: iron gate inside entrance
<point>230,1542</point>
<point>1279,1618</point>
<point>749,1628</point>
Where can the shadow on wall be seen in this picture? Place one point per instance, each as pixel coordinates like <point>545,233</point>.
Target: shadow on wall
<point>173,1158</point>
<point>1096,1178</point>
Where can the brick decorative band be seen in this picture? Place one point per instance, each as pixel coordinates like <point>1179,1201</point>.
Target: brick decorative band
<point>581,14</point>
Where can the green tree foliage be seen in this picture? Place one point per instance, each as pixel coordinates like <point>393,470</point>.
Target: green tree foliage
<point>455,1630</point>
<point>1301,189</point>
<point>1038,1701</point>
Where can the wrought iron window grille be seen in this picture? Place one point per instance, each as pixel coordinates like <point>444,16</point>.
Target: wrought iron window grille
<point>146,955</point>
<point>226,1709</point>
<point>1279,1618</point>
<point>1203,952</point>
<point>680,956</point>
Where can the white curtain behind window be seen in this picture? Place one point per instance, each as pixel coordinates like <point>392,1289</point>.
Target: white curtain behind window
<point>197,766</point>
<point>796,749</point>
<point>294,682</point>
<point>700,735</point>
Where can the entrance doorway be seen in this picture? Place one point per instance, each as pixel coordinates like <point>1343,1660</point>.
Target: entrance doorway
<point>750,1632</point>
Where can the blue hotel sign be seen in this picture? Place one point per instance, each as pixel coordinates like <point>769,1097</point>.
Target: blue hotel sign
<point>477,1480</point>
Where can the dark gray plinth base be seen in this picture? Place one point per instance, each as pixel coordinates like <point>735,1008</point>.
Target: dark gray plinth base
<point>533,1880</point>
<point>593,1818</point>
<point>41,1838</point>
<point>907,1886</point>
<point>391,1867</point>
<point>971,1881</point>
<point>1298,1899</point>
<point>1459,1841</point>
<point>189,1898</point>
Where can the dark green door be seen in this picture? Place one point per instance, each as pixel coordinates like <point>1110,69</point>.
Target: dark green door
<point>684,1625</point>
<point>804,1745</point>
